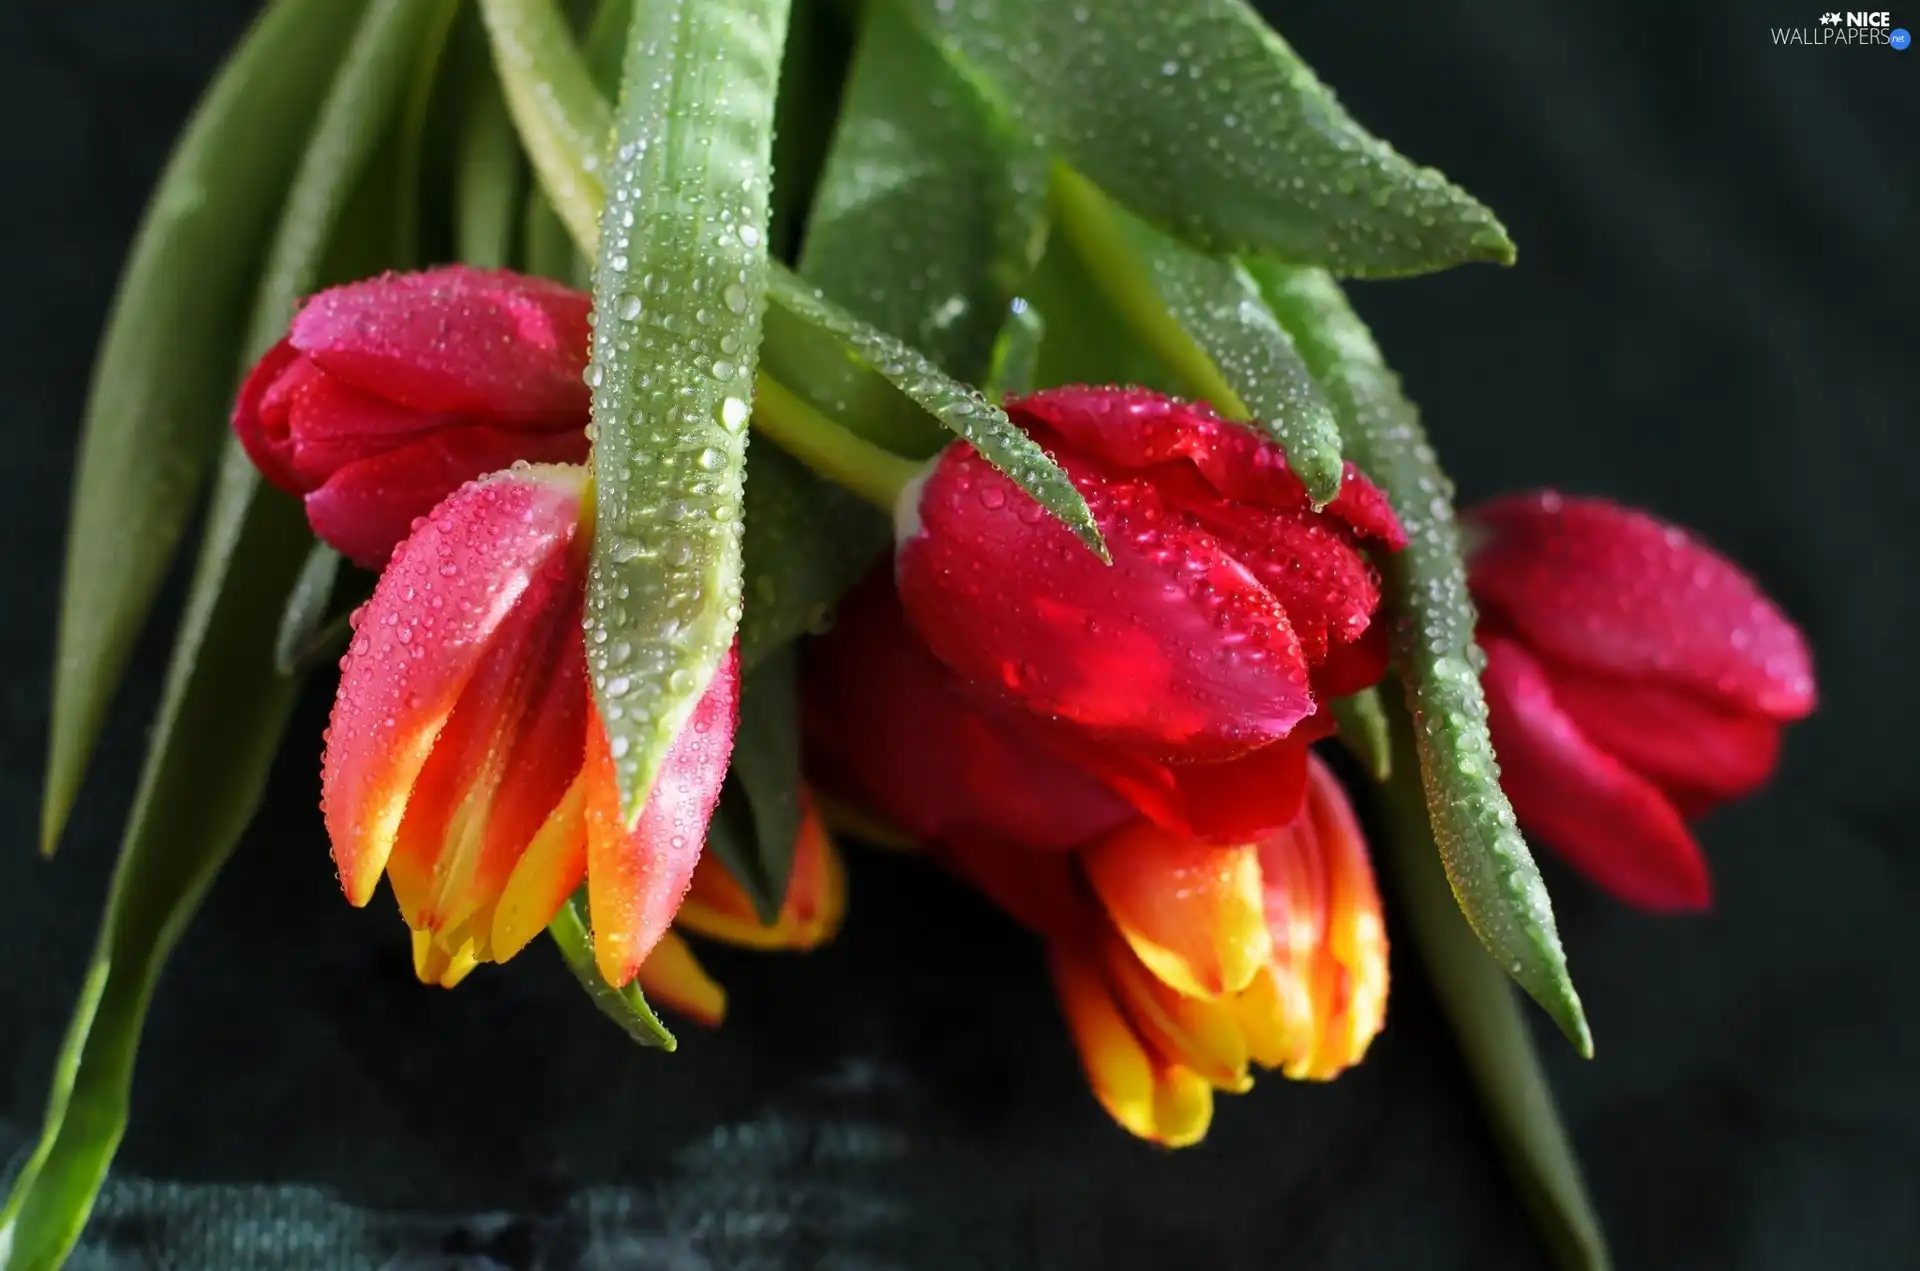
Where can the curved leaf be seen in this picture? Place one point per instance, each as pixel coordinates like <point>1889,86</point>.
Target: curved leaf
<point>562,120</point>
<point>766,770</point>
<point>1203,121</point>
<point>678,290</point>
<point>1204,316</point>
<point>158,403</point>
<point>1492,1032</point>
<point>1362,719</point>
<point>572,933</point>
<point>487,177</point>
<point>807,542</point>
<point>1492,872</point>
<point>225,704</point>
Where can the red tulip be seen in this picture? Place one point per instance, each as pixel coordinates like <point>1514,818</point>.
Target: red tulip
<point>388,395</point>
<point>465,759</point>
<point>1175,674</point>
<point>1635,678</point>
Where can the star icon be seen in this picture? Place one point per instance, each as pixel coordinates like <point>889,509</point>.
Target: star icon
<point>1829,19</point>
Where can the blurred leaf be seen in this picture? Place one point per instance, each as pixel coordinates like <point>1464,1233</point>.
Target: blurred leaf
<point>1493,874</point>
<point>550,250</point>
<point>1204,317</point>
<point>161,382</point>
<point>304,619</point>
<point>961,410</point>
<point>766,766</point>
<point>224,707</point>
<point>1082,339</point>
<point>1202,120</point>
<point>410,137</point>
<point>562,119</point>
<point>1014,368</point>
<point>1491,1030</point>
<point>572,932</point>
<point>807,542</point>
<point>930,215</point>
<point>679,285</point>
<point>1363,731</point>
<point>813,67</point>
<point>487,181</point>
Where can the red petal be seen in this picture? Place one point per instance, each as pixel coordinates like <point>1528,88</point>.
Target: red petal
<point>1235,801</point>
<point>447,592</point>
<point>260,418</point>
<point>1607,821</point>
<point>1690,748</point>
<point>1192,912</point>
<point>891,730</point>
<point>1615,591</point>
<point>367,507</point>
<point>637,878</point>
<point>331,424</point>
<point>489,344</point>
<point>1135,428</point>
<point>1309,563</point>
<point>1352,667</point>
<point>1175,647</point>
<point>1043,891</point>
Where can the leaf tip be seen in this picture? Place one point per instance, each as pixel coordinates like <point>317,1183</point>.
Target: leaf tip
<point>1491,243</point>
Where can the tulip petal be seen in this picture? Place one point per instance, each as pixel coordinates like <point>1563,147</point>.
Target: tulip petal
<point>1191,911</point>
<point>1695,751</point>
<point>260,418</point>
<point>417,643</point>
<point>487,344</point>
<point>435,964</point>
<point>550,870</point>
<point>1311,566</point>
<point>1609,822</point>
<point>1152,1099</point>
<point>1237,801</point>
<point>1175,648</point>
<point>1618,592</point>
<point>890,729</point>
<point>365,508</point>
<point>1132,429</point>
<point>1200,1035</point>
<point>673,977</point>
<point>637,878</point>
<point>719,908</point>
<point>330,424</point>
<point>1351,990</point>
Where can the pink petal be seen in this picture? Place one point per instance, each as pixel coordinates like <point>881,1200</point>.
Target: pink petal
<point>890,729</point>
<point>1695,751</point>
<point>260,418</point>
<point>1309,563</point>
<point>367,507</point>
<point>489,344</point>
<point>438,607</point>
<point>1134,429</point>
<point>637,878</point>
<point>1618,592</point>
<point>1610,823</point>
<point>1174,648</point>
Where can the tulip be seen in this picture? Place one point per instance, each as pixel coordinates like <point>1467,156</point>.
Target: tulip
<point>388,395</point>
<point>1181,966</point>
<point>1635,678</point>
<point>1178,673</point>
<point>465,760</point>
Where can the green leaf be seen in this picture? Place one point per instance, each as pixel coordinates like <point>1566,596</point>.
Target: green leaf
<point>1204,317</point>
<point>766,765</point>
<point>1492,1032</point>
<point>1487,861</point>
<point>1014,368</point>
<point>572,932</point>
<point>224,706</point>
<point>1206,123</point>
<point>678,288</point>
<point>562,119</point>
<point>410,138</point>
<point>1083,340</point>
<point>961,410</point>
<point>161,383</point>
<point>807,542</point>
<point>1363,731</point>
<point>304,620</point>
<point>550,249</point>
<point>930,214</point>
<point>487,179</point>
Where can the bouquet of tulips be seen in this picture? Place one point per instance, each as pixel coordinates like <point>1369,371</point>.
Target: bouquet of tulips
<point>710,433</point>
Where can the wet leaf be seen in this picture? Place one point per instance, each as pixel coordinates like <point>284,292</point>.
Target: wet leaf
<point>766,770</point>
<point>1014,367</point>
<point>807,542</point>
<point>1202,120</point>
<point>162,380</point>
<point>1493,874</point>
<point>572,933</point>
<point>1363,731</point>
<point>679,285</point>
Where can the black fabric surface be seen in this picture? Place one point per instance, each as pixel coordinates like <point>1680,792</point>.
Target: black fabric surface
<point>1714,316</point>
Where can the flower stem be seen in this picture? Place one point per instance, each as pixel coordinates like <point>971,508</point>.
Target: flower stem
<point>834,452</point>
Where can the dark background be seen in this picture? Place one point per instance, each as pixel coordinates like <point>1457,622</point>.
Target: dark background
<point>1714,317</point>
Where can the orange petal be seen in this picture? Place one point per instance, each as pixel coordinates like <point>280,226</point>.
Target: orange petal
<point>1355,955</point>
<point>672,977</point>
<point>1149,1097</point>
<point>1191,911</point>
<point>550,870</point>
<point>434,963</point>
<point>417,643</point>
<point>1203,1036</point>
<point>637,878</point>
<point>816,899</point>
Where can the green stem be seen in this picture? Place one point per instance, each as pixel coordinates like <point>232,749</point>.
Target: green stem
<point>876,475</point>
